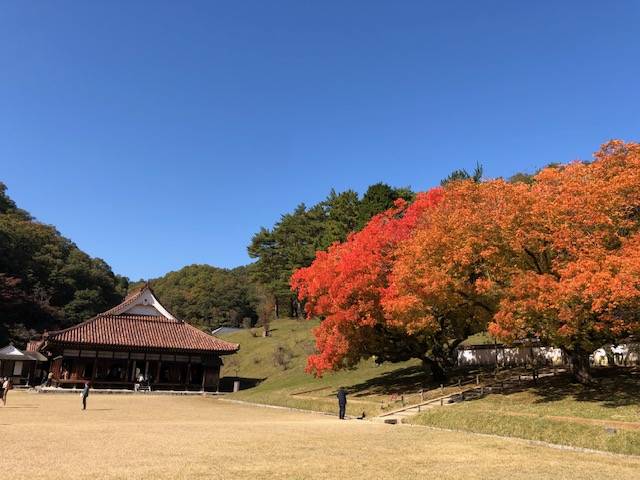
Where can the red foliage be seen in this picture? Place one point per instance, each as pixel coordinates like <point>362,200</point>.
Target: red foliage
<point>345,284</point>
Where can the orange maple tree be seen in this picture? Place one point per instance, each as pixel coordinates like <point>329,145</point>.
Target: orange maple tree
<point>580,288</point>
<point>557,261</point>
<point>449,276</point>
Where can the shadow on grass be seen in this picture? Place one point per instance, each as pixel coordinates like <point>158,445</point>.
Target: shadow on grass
<point>409,379</point>
<point>612,387</point>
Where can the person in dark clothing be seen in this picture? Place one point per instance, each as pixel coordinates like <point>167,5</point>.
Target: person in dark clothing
<point>85,394</point>
<point>342,401</point>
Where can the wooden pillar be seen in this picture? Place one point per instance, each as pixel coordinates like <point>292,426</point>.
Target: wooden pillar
<point>146,369</point>
<point>158,375</point>
<point>95,367</point>
<point>132,375</point>
<point>126,377</point>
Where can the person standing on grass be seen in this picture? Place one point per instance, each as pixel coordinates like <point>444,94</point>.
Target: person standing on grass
<point>85,394</point>
<point>6,386</point>
<point>342,401</point>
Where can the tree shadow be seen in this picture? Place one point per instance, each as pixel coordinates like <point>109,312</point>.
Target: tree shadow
<point>408,380</point>
<point>612,387</point>
<point>395,382</point>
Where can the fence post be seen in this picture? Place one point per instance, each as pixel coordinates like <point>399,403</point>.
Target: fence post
<point>442,389</point>
<point>402,399</point>
<point>477,379</point>
<point>422,395</point>
<point>441,401</point>
<point>459,381</point>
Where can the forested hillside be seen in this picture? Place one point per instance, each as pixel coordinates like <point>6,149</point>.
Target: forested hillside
<point>208,296</point>
<point>211,297</point>
<point>46,281</point>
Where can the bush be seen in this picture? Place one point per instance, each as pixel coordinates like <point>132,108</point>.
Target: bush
<point>282,357</point>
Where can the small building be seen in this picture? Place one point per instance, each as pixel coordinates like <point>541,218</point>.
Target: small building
<point>137,339</point>
<point>22,367</point>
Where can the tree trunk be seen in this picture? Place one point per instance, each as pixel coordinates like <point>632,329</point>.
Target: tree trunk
<point>579,365</point>
<point>276,307</point>
<point>438,372</point>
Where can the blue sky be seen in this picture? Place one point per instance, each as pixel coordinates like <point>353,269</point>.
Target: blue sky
<point>160,134</point>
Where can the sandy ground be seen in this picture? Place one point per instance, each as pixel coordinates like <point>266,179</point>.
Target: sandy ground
<point>151,437</point>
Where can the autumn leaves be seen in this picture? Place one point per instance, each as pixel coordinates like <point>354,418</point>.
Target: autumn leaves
<point>556,260</point>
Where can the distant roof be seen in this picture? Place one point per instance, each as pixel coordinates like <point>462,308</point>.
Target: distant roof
<point>140,321</point>
<point>12,353</point>
<point>37,356</point>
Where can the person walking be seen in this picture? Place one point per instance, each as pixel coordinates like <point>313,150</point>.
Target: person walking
<point>6,386</point>
<point>85,394</point>
<point>342,402</point>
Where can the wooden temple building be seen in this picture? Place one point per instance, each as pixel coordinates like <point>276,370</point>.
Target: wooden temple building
<point>138,341</point>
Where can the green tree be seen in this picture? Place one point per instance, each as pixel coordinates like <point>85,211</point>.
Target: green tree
<point>46,281</point>
<point>464,175</point>
<point>379,198</point>
<point>208,296</point>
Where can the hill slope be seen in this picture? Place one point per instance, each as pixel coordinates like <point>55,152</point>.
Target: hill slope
<point>46,281</point>
<point>283,382</point>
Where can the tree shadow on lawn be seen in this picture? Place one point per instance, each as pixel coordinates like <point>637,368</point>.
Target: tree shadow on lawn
<point>407,380</point>
<point>612,387</point>
<point>404,380</point>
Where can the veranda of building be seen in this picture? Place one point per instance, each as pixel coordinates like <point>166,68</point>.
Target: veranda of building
<point>138,338</point>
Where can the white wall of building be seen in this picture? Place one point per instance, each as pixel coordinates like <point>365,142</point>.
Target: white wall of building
<point>512,356</point>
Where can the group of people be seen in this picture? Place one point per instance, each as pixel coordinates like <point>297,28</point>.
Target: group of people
<point>7,385</point>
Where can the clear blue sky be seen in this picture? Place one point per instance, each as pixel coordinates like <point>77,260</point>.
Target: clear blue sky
<point>159,134</point>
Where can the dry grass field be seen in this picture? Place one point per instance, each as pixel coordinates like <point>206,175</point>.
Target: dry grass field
<point>153,437</point>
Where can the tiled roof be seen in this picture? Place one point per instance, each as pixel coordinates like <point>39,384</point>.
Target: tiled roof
<point>130,299</point>
<point>141,331</point>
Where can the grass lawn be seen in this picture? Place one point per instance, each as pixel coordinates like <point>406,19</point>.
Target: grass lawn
<point>371,387</point>
<point>159,437</point>
<point>557,411</point>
